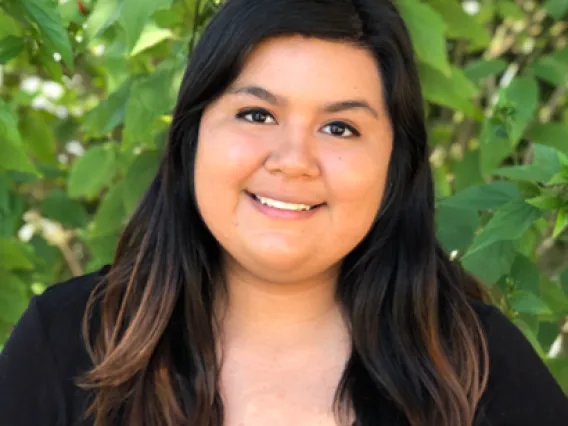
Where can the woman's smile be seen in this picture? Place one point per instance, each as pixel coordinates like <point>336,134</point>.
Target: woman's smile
<point>278,209</point>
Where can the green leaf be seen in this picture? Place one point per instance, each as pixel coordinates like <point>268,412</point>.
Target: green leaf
<point>508,223</point>
<point>564,281</point>
<point>15,255</point>
<point>9,26</point>
<point>13,298</point>
<point>559,369</point>
<point>46,16</point>
<point>102,250</point>
<point>484,197</point>
<point>459,24</point>
<point>525,275</point>
<point>151,36</point>
<point>494,145</point>
<point>92,172</point>
<point>490,262</point>
<point>556,8</point>
<point>49,260</point>
<point>144,107</point>
<point>529,303</point>
<point>551,293</point>
<point>530,335</point>
<point>544,166</point>
<point>58,206</point>
<point>38,137</point>
<point>466,170</point>
<point>550,69</point>
<point>510,9</point>
<point>109,113</point>
<point>135,14</point>
<point>551,134</point>
<point>104,14</point>
<point>11,208</point>
<point>10,47</point>
<point>500,133</point>
<point>427,29</point>
<point>13,153</point>
<point>454,90</point>
<point>546,202</point>
<point>523,94</point>
<point>482,68</point>
<point>49,63</point>
<point>561,223</point>
<point>138,178</point>
<point>110,214</point>
<point>455,227</point>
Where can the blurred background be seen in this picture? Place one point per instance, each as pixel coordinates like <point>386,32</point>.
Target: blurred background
<point>87,88</point>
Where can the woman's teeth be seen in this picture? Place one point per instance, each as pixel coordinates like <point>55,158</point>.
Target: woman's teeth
<point>281,204</point>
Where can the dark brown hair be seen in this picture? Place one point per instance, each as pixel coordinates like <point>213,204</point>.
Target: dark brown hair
<point>150,328</point>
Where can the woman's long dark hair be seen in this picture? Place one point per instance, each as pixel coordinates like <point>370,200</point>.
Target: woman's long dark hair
<point>417,343</point>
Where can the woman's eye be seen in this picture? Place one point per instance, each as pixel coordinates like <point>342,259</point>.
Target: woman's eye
<point>256,116</point>
<point>340,129</point>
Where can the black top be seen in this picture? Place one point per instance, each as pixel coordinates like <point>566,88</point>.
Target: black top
<point>45,352</point>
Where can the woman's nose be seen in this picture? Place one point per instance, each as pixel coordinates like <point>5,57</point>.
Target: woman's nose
<point>294,155</point>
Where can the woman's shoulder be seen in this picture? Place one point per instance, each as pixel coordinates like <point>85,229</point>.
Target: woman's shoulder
<point>520,389</point>
<point>60,310</point>
<point>45,354</point>
<point>67,299</point>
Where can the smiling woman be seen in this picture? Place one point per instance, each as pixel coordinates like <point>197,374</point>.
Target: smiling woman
<point>303,125</point>
<point>282,268</point>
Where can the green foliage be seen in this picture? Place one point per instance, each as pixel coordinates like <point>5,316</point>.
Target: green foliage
<point>87,89</point>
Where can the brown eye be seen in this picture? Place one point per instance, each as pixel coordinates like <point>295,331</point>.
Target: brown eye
<point>256,115</point>
<point>340,129</point>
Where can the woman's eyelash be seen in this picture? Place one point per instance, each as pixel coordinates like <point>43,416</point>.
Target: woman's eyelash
<point>341,126</point>
<point>262,116</point>
<point>255,115</point>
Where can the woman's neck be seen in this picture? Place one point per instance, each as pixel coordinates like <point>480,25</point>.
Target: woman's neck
<point>277,320</point>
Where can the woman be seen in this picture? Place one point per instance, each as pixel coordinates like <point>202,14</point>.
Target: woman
<point>282,268</point>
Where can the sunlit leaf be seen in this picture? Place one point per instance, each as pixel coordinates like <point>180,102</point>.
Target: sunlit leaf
<point>110,214</point>
<point>54,34</point>
<point>13,298</point>
<point>10,47</point>
<point>139,177</point>
<point>454,90</point>
<point>523,301</point>
<point>556,8</point>
<point>544,166</point>
<point>92,172</point>
<point>134,15</point>
<point>109,113</point>
<point>427,29</point>
<point>460,24</point>
<point>151,36</point>
<point>483,68</point>
<point>508,223</point>
<point>483,197</point>
<point>13,152</point>
<point>490,262</point>
<point>551,134</point>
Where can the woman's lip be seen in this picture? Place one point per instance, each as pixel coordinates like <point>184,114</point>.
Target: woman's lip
<point>285,199</point>
<point>280,213</point>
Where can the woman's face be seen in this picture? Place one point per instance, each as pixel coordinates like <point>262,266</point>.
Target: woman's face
<point>292,159</point>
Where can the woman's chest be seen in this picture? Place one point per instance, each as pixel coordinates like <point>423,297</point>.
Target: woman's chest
<point>279,397</point>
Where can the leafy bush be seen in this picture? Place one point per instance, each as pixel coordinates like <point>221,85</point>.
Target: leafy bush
<point>87,88</point>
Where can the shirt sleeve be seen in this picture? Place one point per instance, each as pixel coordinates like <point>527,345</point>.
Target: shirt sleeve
<point>30,392</point>
<point>521,390</point>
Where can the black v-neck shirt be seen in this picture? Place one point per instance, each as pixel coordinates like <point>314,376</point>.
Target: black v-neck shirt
<point>45,352</point>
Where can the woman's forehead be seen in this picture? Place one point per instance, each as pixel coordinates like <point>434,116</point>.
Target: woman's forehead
<point>296,66</point>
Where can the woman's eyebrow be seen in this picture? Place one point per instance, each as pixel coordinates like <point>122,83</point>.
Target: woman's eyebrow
<point>273,99</point>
